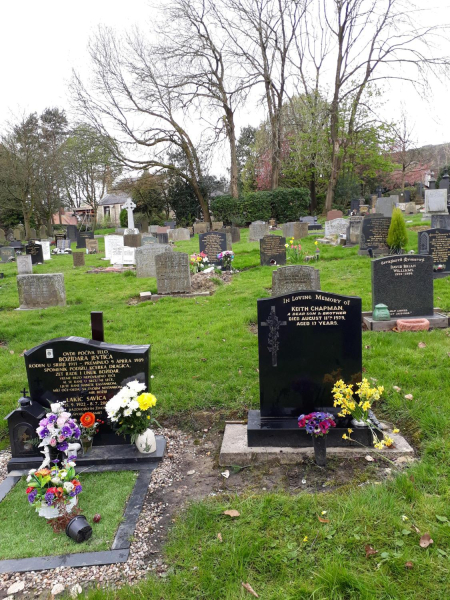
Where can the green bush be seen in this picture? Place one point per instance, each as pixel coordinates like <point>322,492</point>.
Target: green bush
<point>397,236</point>
<point>123,218</point>
<point>397,192</point>
<point>282,204</point>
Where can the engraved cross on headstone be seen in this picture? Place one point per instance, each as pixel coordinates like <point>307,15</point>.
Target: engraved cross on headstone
<point>129,207</point>
<point>273,323</point>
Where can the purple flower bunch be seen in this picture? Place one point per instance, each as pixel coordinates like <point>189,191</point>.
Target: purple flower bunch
<point>57,428</point>
<point>316,423</point>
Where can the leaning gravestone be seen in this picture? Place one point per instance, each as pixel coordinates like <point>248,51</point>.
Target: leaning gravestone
<point>272,250</point>
<point>214,242</point>
<point>436,242</point>
<point>334,214</point>
<point>385,206</point>
<point>112,241</point>
<point>440,221</point>
<point>173,274</point>
<point>295,278</point>
<point>132,240</point>
<point>45,249</point>
<point>257,231</point>
<point>82,236</point>
<point>295,230</point>
<point>78,259</point>
<point>92,246</point>
<point>7,254</point>
<point>43,232</point>
<point>435,202</point>
<point>35,251</point>
<point>353,230</point>
<point>24,265</point>
<point>145,258</point>
<point>41,291</point>
<point>84,374</point>
<point>374,232</point>
<point>179,235</point>
<point>72,232</point>
<point>201,228</point>
<point>336,227</point>
<point>404,284</point>
<point>306,342</point>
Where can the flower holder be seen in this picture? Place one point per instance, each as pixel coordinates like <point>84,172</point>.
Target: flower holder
<point>78,529</point>
<point>320,449</point>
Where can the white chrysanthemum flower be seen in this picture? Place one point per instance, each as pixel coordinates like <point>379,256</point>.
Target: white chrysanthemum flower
<point>134,405</point>
<point>68,486</point>
<point>136,386</point>
<point>56,407</point>
<point>127,412</point>
<point>56,480</point>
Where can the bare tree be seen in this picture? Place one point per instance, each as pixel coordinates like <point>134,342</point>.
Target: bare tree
<point>131,99</point>
<point>405,151</point>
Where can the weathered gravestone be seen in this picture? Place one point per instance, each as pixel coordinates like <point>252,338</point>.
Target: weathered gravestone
<point>179,235</point>
<point>144,228</point>
<point>385,206</point>
<point>173,274</point>
<point>35,251</point>
<point>7,254</point>
<point>92,246</point>
<point>123,255</point>
<point>24,265</point>
<point>132,240</point>
<point>306,342</point>
<point>62,244</point>
<point>374,232</point>
<point>334,214</point>
<point>163,238</point>
<point>410,208</point>
<point>216,225</point>
<point>71,232</point>
<point>19,234</point>
<point>41,291</point>
<point>295,230</point>
<point>214,242</point>
<point>235,233</point>
<point>272,250</point>
<point>435,202</point>
<point>82,236</point>
<point>353,230</point>
<point>436,242</point>
<point>336,227</point>
<point>201,228</point>
<point>257,231</point>
<point>2,236</point>
<point>78,259</point>
<point>170,224</point>
<point>153,229</point>
<point>43,232</point>
<point>295,278</point>
<point>145,259</point>
<point>404,284</point>
<point>33,234</point>
<point>112,241</point>
<point>84,374</point>
<point>440,221</point>
<point>147,239</point>
<point>9,235</point>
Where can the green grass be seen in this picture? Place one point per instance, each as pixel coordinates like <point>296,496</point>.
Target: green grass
<point>25,534</point>
<point>265,545</point>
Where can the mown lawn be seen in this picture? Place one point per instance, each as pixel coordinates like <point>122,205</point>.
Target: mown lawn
<point>265,546</point>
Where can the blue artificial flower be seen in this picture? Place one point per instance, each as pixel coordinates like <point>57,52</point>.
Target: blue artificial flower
<point>76,433</point>
<point>31,496</point>
<point>66,431</point>
<point>71,423</point>
<point>49,497</point>
<point>78,489</point>
<point>52,418</point>
<point>62,447</point>
<point>43,432</point>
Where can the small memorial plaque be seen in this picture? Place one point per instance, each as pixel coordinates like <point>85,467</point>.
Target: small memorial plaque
<point>272,250</point>
<point>295,278</point>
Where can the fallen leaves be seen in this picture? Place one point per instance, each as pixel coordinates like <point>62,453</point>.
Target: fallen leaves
<point>408,397</point>
<point>232,513</point>
<point>396,388</point>
<point>323,520</point>
<point>425,540</point>
<point>409,565</point>
<point>203,359</point>
<point>219,537</point>
<point>249,589</point>
<point>225,474</point>
<point>442,519</point>
<point>370,551</point>
<point>369,458</point>
<point>421,345</point>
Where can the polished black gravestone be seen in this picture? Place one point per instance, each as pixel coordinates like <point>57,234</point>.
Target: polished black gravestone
<point>306,342</point>
<point>85,374</point>
<point>272,250</point>
<point>82,236</point>
<point>404,284</point>
<point>213,243</point>
<point>22,424</point>
<point>72,232</point>
<point>374,232</point>
<point>436,242</point>
<point>35,251</point>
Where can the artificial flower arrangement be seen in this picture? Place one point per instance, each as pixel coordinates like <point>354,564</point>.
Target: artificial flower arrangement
<point>57,429</point>
<point>294,251</point>
<point>226,258</point>
<point>316,423</point>
<point>198,262</point>
<point>130,411</point>
<point>89,427</point>
<point>54,486</point>
<point>359,407</point>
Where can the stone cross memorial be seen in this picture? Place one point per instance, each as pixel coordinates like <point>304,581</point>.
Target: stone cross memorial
<point>306,342</point>
<point>213,243</point>
<point>272,250</point>
<point>129,206</point>
<point>295,278</point>
<point>173,274</point>
<point>404,284</point>
<point>436,242</point>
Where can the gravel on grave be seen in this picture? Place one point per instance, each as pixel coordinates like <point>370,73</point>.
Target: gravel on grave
<point>142,559</point>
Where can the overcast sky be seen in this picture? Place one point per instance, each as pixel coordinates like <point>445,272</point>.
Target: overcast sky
<point>41,41</point>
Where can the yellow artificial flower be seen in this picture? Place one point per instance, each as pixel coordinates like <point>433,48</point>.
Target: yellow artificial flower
<point>395,430</point>
<point>350,430</point>
<point>286,245</point>
<point>146,401</point>
<point>316,242</point>
<point>345,437</point>
<point>388,441</point>
<point>305,539</point>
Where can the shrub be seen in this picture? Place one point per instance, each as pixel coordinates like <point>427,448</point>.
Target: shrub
<point>123,218</point>
<point>290,204</point>
<point>398,191</point>
<point>397,236</point>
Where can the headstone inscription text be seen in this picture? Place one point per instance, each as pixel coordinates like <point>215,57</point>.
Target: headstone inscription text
<point>213,243</point>
<point>272,250</point>
<point>437,243</point>
<point>374,232</point>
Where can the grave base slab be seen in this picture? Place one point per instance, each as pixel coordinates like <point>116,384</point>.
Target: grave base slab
<point>120,457</point>
<point>437,321</point>
<point>236,451</point>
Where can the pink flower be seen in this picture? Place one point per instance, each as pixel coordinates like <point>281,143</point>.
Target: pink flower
<point>61,438</point>
<point>60,422</point>
<point>65,415</point>
<point>53,442</point>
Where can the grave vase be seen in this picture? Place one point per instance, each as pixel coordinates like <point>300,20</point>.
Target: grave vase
<point>87,444</point>
<point>52,512</point>
<point>320,449</point>
<point>146,442</point>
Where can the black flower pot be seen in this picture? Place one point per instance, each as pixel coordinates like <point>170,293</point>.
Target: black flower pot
<point>78,529</point>
<point>320,449</point>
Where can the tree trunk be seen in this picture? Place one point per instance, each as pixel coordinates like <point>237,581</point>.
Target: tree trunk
<point>26,221</point>
<point>333,177</point>
<point>202,202</point>
<point>312,189</point>
<point>234,172</point>
<point>275,143</point>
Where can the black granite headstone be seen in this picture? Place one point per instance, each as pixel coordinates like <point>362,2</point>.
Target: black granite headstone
<point>72,231</point>
<point>171,224</point>
<point>82,236</point>
<point>85,374</point>
<point>374,232</point>
<point>213,243</point>
<point>436,242</point>
<point>354,205</point>
<point>272,250</point>
<point>35,251</point>
<point>440,221</point>
<point>22,424</point>
<point>404,284</point>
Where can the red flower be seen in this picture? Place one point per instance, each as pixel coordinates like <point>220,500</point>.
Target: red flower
<point>88,419</point>
<point>29,490</point>
<point>75,482</point>
<point>52,490</point>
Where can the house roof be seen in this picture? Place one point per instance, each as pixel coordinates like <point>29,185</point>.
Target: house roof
<point>114,198</point>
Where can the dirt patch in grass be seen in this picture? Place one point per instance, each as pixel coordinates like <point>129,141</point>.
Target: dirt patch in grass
<point>208,282</point>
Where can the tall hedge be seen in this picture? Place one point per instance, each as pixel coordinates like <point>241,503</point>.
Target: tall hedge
<point>282,204</point>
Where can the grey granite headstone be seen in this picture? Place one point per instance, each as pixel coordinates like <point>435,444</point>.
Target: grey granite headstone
<point>336,227</point>
<point>173,275</point>
<point>353,230</point>
<point>63,244</point>
<point>272,250</point>
<point>92,246</point>
<point>145,258</point>
<point>132,240</point>
<point>213,243</point>
<point>294,278</point>
<point>33,235</point>
<point>201,228</point>
<point>24,264</point>
<point>147,239</point>
<point>385,206</point>
<point>153,229</point>
<point>374,232</point>
<point>78,259</point>
<point>144,228</point>
<point>7,254</point>
<point>216,225</point>
<point>440,221</point>
<point>436,202</point>
<point>170,224</point>
<point>35,251</point>
<point>404,284</point>
<point>72,232</point>
<point>43,232</point>
<point>235,233</point>
<point>257,231</point>
<point>18,234</point>
<point>163,238</point>
<point>410,208</point>
<point>295,230</point>
<point>436,242</point>
<point>179,235</point>
<point>41,291</point>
